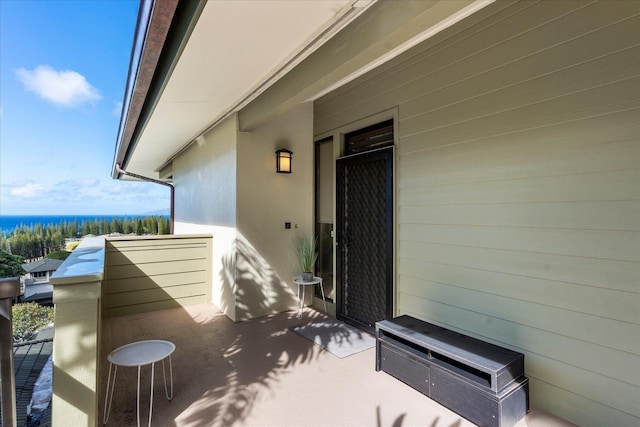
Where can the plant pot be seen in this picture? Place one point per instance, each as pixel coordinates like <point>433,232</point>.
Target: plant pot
<point>307,277</point>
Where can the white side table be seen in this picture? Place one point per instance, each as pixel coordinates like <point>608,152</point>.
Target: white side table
<point>138,354</point>
<point>302,284</point>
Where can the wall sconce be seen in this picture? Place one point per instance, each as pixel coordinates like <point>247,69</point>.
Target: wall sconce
<point>283,160</point>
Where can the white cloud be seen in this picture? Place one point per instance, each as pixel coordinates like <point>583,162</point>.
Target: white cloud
<point>67,88</point>
<point>28,191</point>
<point>83,195</point>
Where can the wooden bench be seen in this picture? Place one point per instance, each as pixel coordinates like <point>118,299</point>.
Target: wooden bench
<point>482,382</point>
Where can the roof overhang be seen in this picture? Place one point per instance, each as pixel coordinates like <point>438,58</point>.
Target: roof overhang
<point>196,62</point>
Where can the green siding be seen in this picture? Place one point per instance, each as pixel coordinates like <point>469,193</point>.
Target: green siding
<point>518,195</point>
<point>147,274</point>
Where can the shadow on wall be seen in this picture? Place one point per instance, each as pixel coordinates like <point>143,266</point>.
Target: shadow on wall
<point>248,280</point>
<point>220,367</point>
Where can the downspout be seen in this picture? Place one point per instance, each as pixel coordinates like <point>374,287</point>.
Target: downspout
<point>155,181</point>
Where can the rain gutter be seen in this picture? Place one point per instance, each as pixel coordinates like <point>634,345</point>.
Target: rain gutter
<point>162,31</point>
<point>155,181</point>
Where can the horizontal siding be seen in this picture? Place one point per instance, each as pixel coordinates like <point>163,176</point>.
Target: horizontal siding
<point>156,281</point>
<point>154,306</point>
<point>600,308</point>
<point>610,215</point>
<point>539,347</point>
<point>153,274</point>
<point>518,191</point>
<point>125,271</point>
<point>450,71</point>
<point>145,296</point>
<point>548,328</point>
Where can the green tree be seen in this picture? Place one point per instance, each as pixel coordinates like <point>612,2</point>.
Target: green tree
<point>10,265</point>
<point>61,255</point>
<point>28,318</point>
<point>127,227</point>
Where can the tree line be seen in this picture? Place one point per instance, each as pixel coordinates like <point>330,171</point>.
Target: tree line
<point>38,240</point>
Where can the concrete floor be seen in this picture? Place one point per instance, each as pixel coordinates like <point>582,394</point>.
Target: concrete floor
<point>261,373</point>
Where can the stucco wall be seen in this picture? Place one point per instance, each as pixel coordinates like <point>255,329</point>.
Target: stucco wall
<point>205,202</point>
<point>518,204</point>
<point>266,200</point>
<point>226,185</point>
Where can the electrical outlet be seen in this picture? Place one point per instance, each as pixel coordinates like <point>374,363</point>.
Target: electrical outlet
<point>287,225</point>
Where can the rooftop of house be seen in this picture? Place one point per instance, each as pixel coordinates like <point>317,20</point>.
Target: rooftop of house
<point>43,265</point>
<point>41,292</point>
<point>29,358</point>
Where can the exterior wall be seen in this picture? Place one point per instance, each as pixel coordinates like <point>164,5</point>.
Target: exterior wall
<point>155,273</point>
<point>266,260</point>
<point>518,204</point>
<point>205,203</point>
<point>227,186</point>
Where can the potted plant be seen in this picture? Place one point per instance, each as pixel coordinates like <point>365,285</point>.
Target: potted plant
<point>307,256</point>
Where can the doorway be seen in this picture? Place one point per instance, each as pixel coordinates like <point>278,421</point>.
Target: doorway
<point>364,231</point>
<point>325,170</point>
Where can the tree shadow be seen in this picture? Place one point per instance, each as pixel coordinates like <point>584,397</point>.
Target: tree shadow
<point>250,287</point>
<point>399,420</point>
<point>220,368</point>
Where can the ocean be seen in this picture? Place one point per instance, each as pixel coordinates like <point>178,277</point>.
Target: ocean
<point>10,222</point>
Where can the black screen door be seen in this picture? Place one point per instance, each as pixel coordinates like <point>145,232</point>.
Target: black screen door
<point>364,237</point>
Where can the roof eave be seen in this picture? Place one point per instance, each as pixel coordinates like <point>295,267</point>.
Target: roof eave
<point>161,31</point>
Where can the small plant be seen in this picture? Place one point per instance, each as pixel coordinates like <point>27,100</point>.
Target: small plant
<point>28,318</point>
<point>307,254</point>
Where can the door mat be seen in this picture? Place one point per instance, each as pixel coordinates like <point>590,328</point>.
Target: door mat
<point>337,337</point>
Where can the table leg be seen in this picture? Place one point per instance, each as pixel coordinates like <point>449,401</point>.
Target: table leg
<point>304,288</point>
<point>166,393</point>
<point>138,397</point>
<point>109,396</point>
<point>299,316</point>
<point>153,365</point>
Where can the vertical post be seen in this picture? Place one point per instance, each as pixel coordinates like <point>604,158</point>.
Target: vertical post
<point>9,289</point>
<point>77,289</point>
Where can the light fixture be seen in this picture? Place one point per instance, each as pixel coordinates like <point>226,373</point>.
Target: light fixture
<point>283,160</point>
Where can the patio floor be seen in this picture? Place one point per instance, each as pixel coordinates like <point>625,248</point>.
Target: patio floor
<point>261,373</point>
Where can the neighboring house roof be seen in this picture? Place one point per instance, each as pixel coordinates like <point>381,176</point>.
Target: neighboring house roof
<point>195,63</point>
<point>42,293</point>
<point>28,360</point>
<point>42,266</point>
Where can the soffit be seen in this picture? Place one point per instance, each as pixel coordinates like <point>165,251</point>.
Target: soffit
<point>234,47</point>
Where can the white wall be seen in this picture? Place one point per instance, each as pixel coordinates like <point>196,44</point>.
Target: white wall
<point>518,196</point>
<point>205,202</point>
<point>226,185</point>
<point>266,200</point>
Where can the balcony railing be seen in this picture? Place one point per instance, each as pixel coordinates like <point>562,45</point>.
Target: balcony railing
<point>113,277</point>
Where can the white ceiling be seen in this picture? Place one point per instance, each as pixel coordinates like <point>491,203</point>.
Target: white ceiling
<point>235,47</point>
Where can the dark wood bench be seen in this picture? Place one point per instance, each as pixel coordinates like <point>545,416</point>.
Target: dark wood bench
<point>483,382</point>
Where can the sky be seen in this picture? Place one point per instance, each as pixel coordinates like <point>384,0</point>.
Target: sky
<point>63,70</point>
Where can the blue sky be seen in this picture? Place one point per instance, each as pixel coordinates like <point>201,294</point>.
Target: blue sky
<point>63,69</point>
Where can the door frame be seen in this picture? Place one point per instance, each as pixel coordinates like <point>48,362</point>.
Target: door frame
<point>386,154</point>
<point>316,229</point>
<point>338,131</point>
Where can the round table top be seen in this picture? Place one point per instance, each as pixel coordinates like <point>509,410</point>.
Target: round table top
<point>141,352</point>
<point>300,281</point>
